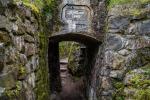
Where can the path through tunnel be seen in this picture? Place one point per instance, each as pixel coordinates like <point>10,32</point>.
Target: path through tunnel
<point>64,83</point>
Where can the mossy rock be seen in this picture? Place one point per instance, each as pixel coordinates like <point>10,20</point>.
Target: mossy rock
<point>4,37</point>
<point>142,58</point>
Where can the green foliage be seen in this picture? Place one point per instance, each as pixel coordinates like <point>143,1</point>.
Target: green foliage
<point>119,94</point>
<point>119,85</point>
<point>143,94</point>
<point>42,85</point>
<point>119,2</point>
<point>66,49</point>
<point>136,80</point>
<point>33,7</point>
<point>14,92</point>
<point>22,70</point>
<point>141,82</point>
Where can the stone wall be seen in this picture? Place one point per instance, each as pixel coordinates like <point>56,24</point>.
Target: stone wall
<point>122,65</point>
<point>23,69</point>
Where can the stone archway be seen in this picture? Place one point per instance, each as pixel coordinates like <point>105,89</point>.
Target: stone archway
<point>53,57</point>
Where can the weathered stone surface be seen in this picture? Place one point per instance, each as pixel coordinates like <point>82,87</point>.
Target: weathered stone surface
<point>30,49</point>
<point>107,93</point>
<point>77,18</point>
<point>134,42</point>
<point>117,74</point>
<point>126,49</point>
<point>105,83</point>
<point>118,62</point>
<point>18,47</point>
<point>29,39</point>
<point>28,13</point>
<point>114,42</point>
<point>108,58</point>
<point>138,59</point>
<point>144,28</point>
<point>124,52</point>
<point>4,23</point>
<point>11,55</point>
<point>31,80</point>
<point>118,24</point>
<point>19,42</point>
<point>8,80</point>
<point>23,59</point>
<point>4,37</point>
<point>32,64</point>
<point>30,29</point>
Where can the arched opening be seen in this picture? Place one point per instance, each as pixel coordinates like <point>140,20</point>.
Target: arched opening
<point>88,50</point>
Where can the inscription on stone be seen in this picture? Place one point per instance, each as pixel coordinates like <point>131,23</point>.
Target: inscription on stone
<point>77,17</point>
<point>76,14</point>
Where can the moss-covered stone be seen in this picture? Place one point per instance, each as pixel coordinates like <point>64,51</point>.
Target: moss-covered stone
<point>119,93</point>
<point>121,2</point>
<point>140,82</point>
<point>143,94</point>
<point>14,93</point>
<point>42,85</point>
<point>142,58</point>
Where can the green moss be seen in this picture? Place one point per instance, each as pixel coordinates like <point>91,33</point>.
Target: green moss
<point>145,1</point>
<point>33,7</point>
<point>11,94</point>
<point>135,12</point>
<point>143,94</point>
<point>120,2</point>
<point>136,80</point>
<point>42,85</point>
<point>141,57</point>
<point>119,85</point>
<point>22,70</point>
<point>119,94</point>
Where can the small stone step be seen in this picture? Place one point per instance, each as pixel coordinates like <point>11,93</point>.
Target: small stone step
<point>64,61</point>
<point>63,68</point>
<point>63,75</point>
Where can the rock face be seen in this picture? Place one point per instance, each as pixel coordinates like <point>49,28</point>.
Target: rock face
<point>19,52</point>
<point>125,54</point>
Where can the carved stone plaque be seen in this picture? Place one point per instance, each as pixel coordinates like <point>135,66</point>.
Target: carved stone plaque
<point>76,17</point>
<point>75,14</point>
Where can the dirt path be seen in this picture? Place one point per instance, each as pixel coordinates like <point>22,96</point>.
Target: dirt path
<point>70,90</point>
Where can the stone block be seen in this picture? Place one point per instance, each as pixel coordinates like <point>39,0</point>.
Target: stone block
<point>118,62</point>
<point>5,24</point>
<point>19,42</point>
<point>30,49</point>
<point>29,38</point>
<point>8,80</point>
<point>118,24</point>
<point>4,37</point>
<point>114,42</point>
<point>117,74</point>
<point>144,28</point>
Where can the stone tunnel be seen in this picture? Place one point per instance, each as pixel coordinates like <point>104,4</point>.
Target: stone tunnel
<point>76,17</point>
